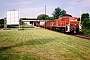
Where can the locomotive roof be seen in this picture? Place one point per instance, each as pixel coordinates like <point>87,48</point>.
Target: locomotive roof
<point>66,15</point>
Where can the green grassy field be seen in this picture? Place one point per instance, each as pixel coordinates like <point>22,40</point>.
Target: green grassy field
<point>41,44</point>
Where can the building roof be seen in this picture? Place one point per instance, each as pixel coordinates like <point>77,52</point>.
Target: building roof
<point>34,20</point>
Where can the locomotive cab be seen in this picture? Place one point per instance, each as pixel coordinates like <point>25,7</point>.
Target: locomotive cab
<point>66,23</point>
<point>73,23</point>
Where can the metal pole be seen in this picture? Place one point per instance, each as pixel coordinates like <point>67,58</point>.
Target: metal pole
<point>19,21</point>
<point>45,16</point>
<point>5,23</point>
<point>80,17</point>
<point>80,25</point>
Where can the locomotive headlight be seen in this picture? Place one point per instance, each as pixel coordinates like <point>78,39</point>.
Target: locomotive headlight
<point>75,24</point>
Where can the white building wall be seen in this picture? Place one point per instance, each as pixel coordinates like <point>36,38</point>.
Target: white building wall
<point>42,22</point>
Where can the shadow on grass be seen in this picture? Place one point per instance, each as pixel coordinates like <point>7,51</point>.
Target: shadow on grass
<point>30,42</point>
<point>6,47</point>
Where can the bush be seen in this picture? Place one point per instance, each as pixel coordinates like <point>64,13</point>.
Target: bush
<point>12,26</point>
<point>1,25</point>
<point>86,23</point>
<point>86,31</point>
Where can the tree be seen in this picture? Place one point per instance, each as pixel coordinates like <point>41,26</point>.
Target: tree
<point>86,23</point>
<point>84,16</point>
<point>85,19</point>
<point>1,23</point>
<point>43,17</point>
<point>51,18</point>
<point>58,12</point>
<point>63,12</point>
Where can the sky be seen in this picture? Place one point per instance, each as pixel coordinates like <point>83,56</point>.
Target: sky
<point>33,8</point>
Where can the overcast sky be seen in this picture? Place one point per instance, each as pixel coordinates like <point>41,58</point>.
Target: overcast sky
<point>32,8</point>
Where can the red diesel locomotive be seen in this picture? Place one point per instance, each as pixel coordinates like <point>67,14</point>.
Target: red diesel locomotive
<point>65,23</point>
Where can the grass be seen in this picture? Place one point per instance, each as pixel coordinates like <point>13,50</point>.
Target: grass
<point>41,44</point>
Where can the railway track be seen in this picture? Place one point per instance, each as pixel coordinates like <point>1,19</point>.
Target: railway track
<point>81,36</point>
<point>76,35</point>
